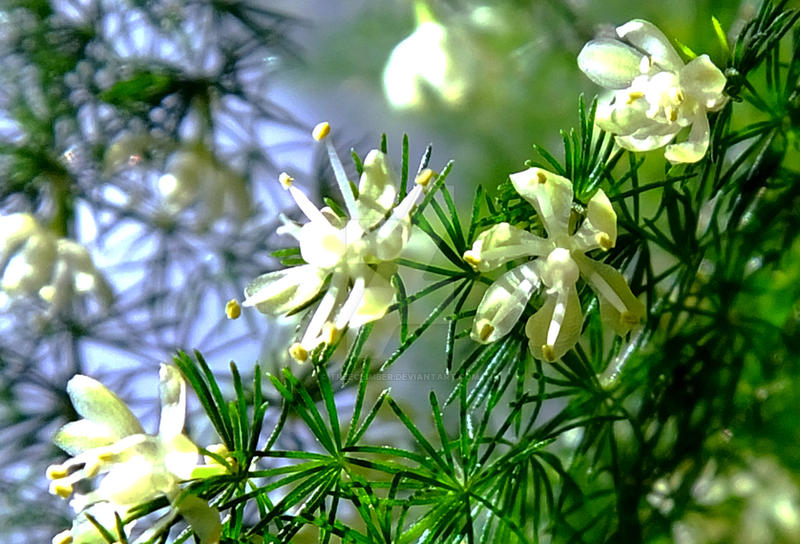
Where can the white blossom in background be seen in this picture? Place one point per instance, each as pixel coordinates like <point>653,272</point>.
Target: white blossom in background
<point>431,61</point>
<point>558,261</point>
<point>125,466</point>
<point>194,177</point>
<point>353,254</point>
<point>36,262</point>
<point>655,94</point>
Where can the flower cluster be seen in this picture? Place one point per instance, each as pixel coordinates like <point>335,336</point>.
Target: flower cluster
<point>655,93</point>
<point>351,255</point>
<point>560,260</point>
<point>36,262</point>
<point>128,467</point>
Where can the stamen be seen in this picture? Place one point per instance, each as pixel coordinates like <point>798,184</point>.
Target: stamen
<point>329,333</point>
<point>55,472</point>
<point>629,318</point>
<point>64,537</point>
<point>321,314</point>
<point>604,240</point>
<point>633,96</point>
<point>298,353</point>
<point>673,114</point>
<point>351,305</point>
<point>559,312</point>
<point>62,489</point>
<point>424,177</point>
<point>604,290</point>
<point>321,131</point>
<point>485,329</point>
<point>540,176</point>
<point>286,180</point>
<point>342,181</point>
<point>306,206</point>
<point>232,309</point>
<point>548,353</point>
<point>472,259</point>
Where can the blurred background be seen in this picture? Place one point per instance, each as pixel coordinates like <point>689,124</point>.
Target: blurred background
<point>152,134</point>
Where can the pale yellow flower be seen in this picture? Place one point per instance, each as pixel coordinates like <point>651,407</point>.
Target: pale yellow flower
<point>127,466</point>
<point>354,254</point>
<point>559,261</point>
<point>655,93</point>
<point>36,262</point>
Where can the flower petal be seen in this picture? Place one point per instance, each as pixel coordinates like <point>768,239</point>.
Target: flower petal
<point>95,402</point>
<point>376,189</point>
<point>282,291</point>
<point>599,229</point>
<point>649,138</point>
<point>504,301</point>
<point>644,35</point>
<point>560,316</point>
<point>79,436</point>
<point>172,390</point>
<point>379,294</point>
<point>695,147</point>
<point>502,243</point>
<point>610,63</point>
<point>618,305</point>
<point>701,79</point>
<point>551,196</point>
<point>323,245</point>
<point>180,457</point>
<point>203,519</point>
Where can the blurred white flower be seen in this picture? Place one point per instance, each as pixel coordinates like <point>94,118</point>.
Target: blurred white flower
<point>655,93</point>
<point>35,262</point>
<point>353,254</point>
<point>432,60</point>
<point>556,326</point>
<point>128,466</point>
<point>195,177</point>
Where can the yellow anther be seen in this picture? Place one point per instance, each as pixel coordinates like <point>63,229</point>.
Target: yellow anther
<point>677,96</point>
<point>605,241</point>
<point>629,318</point>
<point>62,489</point>
<point>425,177</point>
<point>298,352</point>
<point>92,468</point>
<point>54,472</point>
<point>540,176</point>
<point>321,131</point>
<point>673,114</point>
<point>105,456</point>
<point>472,259</point>
<point>64,537</point>
<point>633,96</point>
<point>548,353</point>
<point>329,332</point>
<point>232,309</point>
<point>286,180</point>
<point>485,330</point>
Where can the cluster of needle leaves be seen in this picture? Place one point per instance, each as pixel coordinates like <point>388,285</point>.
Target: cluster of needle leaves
<point>518,450</point>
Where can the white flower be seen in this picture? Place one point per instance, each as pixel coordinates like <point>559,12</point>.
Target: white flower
<point>354,254</point>
<point>34,261</point>
<point>556,326</point>
<point>429,61</point>
<point>655,93</point>
<point>194,176</point>
<point>129,467</point>
<point>83,531</point>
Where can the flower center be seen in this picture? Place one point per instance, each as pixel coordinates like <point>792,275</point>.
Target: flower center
<point>560,269</point>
